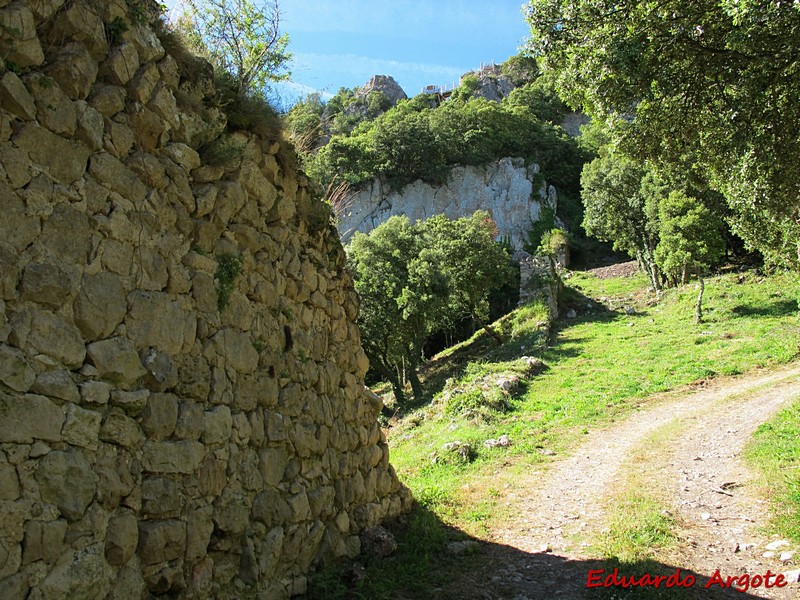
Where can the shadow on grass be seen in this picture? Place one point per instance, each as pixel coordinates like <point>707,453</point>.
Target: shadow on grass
<point>779,308</point>
<point>430,564</point>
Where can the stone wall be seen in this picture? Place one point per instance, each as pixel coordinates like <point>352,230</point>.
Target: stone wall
<point>182,408</point>
<point>510,190</point>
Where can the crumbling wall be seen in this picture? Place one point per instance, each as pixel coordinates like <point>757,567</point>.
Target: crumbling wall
<point>182,408</point>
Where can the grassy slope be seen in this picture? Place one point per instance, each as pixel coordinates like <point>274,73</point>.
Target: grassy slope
<point>600,366</point>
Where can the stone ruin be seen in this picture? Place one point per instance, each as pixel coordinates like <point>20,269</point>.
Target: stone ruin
<point>182,406</point>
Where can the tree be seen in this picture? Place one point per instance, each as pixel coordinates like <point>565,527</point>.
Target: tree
<point>240,37</point>
<point>617,210</point>
<point>690,241</point>
<point>401,293</point>
<point>715,76</point>
<point>472,261</point>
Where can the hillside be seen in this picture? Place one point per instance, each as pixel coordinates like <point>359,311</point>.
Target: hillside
<point>503,426</point>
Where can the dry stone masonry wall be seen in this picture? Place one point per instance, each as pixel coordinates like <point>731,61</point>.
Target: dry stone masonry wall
<point>182,408</point>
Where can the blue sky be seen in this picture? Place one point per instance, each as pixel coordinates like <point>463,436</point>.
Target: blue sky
<point>342,43</point>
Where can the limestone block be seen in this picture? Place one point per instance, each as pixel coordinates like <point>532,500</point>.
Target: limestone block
<point>85,575</point>
<point>156,320</point>
<point>149,169</point>
<point>190,423</point>
<point>90,126</point>
<point>133,403</point>
<point>217,424</point>
<point>100,305</point>
<point>161,497</point>
<point>118,139</point>
<point>161,541</point>
<point>149,128</point>
<point>231,512</point>
<point>172,457</point>
<point>270,552</point>
<point>212,477</point>
<point>74,70</point>
<point>43,541</point>
<point>116,360</point>
<point>50,334</point>
<point>54,109</point>
<point>122,64</point>
<point>108,100</point>
<point>9,272</point>
<point>15,372</point>
<point>182,155</point>
<point>79,22</point>
<point>194,377</point>
<point>66,479</point>
<point>47,284</point>
<point>115,481</point>
<point>81,427</point>
<point>272,463</point>
<point>64,159</point>
<point>299,506</point>
<point>120,429</point>
<point>117,256</point>
<point>147,43</point>
<point>200,526</point>
<point>122,538</point>
<point>17,228</point>
<point>237,349</point>
<point>257,186</point>
<point>117,177</point>
<point>9,482</point>
<point>15,97</point>
<point>230,200</point>
<point>95,392</point>
<point>271,509</point>
<point>160,416</point>
<point>16,165</point>
<point>67,235</point>
<point>18,34</point>
<point>161,372</point>
<point>144,82</point>
<point>14,587</point>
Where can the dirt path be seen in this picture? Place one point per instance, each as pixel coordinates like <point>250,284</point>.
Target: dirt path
<point>712,495</point>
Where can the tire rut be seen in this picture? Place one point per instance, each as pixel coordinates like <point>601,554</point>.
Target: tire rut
<point>714,495</point>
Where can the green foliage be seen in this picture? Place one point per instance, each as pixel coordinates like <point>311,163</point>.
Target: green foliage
<point>241,38</point>
<point>476,402</point>
<point>221,151</point>
<point>618,211</point>
<point>545,222</point>
<point>114,30</point>
<point>690,241</point>
<point>717,79</point>
<point>415,280</point>
<point>229,266</point>
<point>415,140</point>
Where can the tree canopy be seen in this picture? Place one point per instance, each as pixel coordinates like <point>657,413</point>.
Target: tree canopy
<point>240,38</point>
<point>718,78</point>
<point>414,280</point>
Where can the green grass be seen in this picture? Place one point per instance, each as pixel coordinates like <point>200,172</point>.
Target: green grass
<point>600,366</point>
<point>775,452</point>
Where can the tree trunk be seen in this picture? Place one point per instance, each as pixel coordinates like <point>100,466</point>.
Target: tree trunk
<point>488,329</point>
<point>416,385</point>
<point>698,309</point>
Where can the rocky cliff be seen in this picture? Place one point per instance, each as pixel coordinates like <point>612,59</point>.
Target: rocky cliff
<point>182,408</point>
<point>513,192</point>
